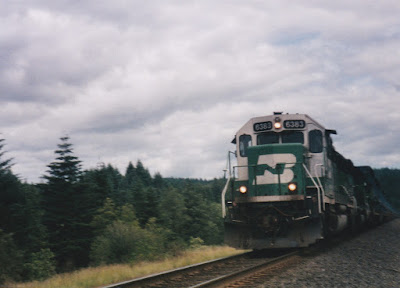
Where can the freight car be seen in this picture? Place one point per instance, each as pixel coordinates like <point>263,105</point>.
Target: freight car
<point>291,188</point>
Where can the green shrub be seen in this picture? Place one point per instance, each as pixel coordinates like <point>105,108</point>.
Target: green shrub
<point>41,265</point>
<point>196,242</point>
<point>117,244</point>
<point>126,242</point>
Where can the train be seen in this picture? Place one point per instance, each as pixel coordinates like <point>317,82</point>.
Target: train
<point>291,188</point>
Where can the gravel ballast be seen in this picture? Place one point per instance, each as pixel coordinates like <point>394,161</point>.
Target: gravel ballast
<point>371,259</point>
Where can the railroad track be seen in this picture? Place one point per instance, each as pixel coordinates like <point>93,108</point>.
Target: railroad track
<point>249,275</point>
<point>215,273</point>
<point>244,270</point>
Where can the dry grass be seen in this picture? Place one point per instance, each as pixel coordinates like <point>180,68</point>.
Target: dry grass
<point>105,275</point>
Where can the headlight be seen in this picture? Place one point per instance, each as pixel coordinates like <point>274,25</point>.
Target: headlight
<point>243,189</point>
<point>292,187</point>
<point>277,124</point>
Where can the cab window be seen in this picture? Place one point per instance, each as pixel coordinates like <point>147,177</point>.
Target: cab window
<point>292,137</point>
<point>283,137</point>
<point>244,143</point>
<point>267,138</point>
<point>315,140</point>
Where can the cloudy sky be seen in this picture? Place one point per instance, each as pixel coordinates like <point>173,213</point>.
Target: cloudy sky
<point>170,82</point>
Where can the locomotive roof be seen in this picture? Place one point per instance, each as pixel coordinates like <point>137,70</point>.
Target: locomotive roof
<point>283,117</point>
<point>286,116</point>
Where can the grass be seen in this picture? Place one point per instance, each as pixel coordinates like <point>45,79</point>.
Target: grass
<point>106,275</point>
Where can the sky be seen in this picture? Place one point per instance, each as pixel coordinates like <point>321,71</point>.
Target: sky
<point>170,82</point>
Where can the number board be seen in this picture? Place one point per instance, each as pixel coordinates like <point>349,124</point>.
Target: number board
<point>262,126</point>
<point>294,124</point>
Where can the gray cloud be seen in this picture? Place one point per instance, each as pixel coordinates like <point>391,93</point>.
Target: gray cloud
<point>171,83</point>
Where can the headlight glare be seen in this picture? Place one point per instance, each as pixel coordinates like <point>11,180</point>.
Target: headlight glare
<point>243,189</point>
<point>292,187</point>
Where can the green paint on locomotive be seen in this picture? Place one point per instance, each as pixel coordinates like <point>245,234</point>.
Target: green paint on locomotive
<point>272,167</point>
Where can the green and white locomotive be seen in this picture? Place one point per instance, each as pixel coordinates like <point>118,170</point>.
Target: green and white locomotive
<point>290,187</point>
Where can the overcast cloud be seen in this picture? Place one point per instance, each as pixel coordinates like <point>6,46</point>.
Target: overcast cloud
<point>170,82</point>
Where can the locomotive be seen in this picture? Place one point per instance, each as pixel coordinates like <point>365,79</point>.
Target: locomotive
<point>291,188</point>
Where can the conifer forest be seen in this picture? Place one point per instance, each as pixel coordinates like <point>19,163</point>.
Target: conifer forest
<point>100,216</point>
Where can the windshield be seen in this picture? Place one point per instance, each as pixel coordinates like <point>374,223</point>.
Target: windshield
<point>267,138</point>
<point>292,137</point>
<point>283,137</point>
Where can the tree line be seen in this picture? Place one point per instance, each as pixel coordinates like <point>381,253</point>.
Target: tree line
<point>78,218</point>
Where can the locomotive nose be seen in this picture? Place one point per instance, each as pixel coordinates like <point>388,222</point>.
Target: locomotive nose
<point>276,169</point>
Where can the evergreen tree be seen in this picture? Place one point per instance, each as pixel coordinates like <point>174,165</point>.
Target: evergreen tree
<point>30,234</point>
<point>5,164</point>
<point>128,182</point>
<point>63,206</point>
<point>130,175</point>
<point>152,199</point>
<point>143,174</point>
<point>216,189</point>
<point>204,221</point>
<point>102,183</point>
<point>104,216</point>
<point>10,258</point>
<point>173,214</point>
<point>10,193</point>
<point>139,194</point>
<point>67,168</point>
<point>114,177</point>
<point>158,181</point>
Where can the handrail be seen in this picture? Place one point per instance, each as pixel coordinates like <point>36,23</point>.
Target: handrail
<point>229,168</point>
<point>223,196</point>
<point>316,185</point>
<point>320,184</point>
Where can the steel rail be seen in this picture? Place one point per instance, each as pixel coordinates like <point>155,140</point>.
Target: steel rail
<point>146,280</point>
<point>231,277</point>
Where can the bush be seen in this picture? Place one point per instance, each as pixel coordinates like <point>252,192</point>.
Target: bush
<point>117,244</point>
<point>196,242</point>
<point>127,242</point>
<point>41,265</point>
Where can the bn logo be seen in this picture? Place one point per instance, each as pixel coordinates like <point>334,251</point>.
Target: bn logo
<point>275,168</point>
